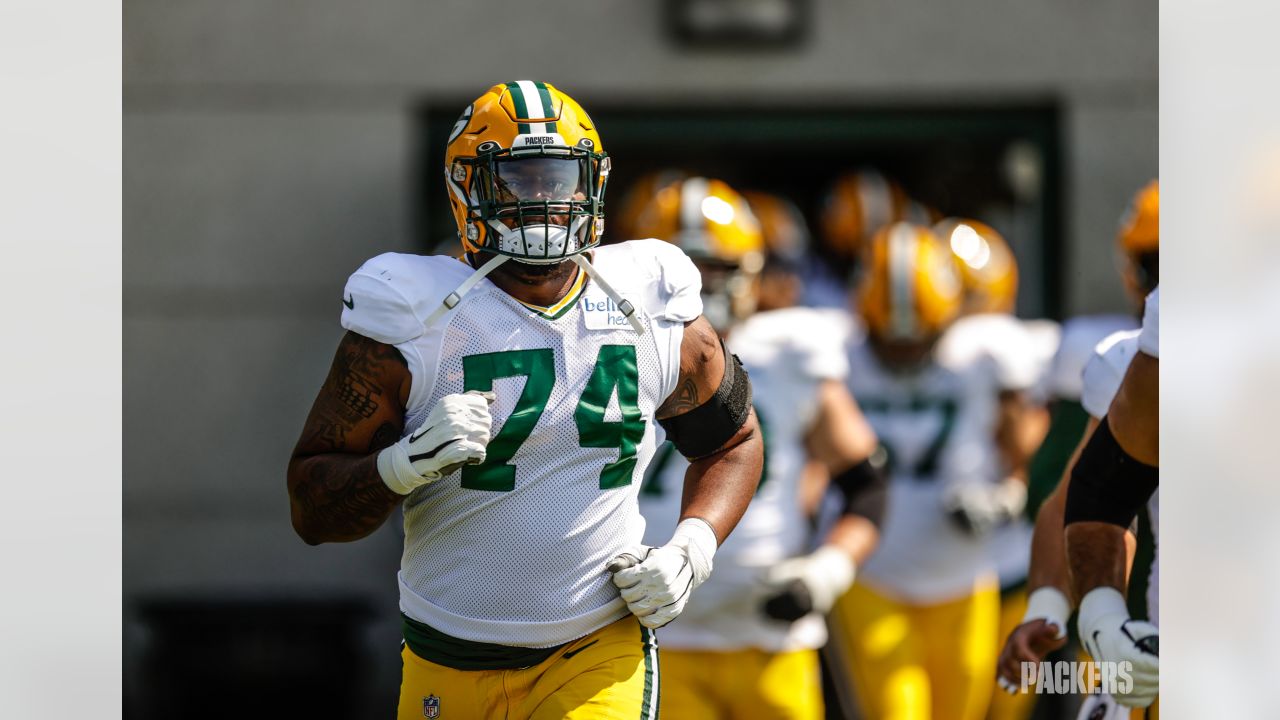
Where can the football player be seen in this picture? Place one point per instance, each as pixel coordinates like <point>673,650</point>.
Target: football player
<point>1044,624</point>
<point>918,628</point>
<point>508,401</point>
<point>1138,252</point>
<point>856,205</point>
<point>1020,351</point>
<point>1117,473</point>
<point>747,644</point>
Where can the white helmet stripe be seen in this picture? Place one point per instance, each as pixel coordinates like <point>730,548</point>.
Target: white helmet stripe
<point>693,225</point>
<point>533,101</point>
<point>902,263</point>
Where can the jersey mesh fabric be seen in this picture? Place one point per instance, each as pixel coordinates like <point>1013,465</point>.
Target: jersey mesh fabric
<point>525,567</point>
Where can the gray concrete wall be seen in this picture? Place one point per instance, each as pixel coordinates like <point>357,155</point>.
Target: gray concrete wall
<point>268,151</point>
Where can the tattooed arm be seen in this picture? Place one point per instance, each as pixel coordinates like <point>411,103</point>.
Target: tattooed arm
<point>335,492</point>
<point>717,487</point>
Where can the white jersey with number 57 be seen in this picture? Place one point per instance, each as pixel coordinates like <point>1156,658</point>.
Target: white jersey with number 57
<point>513,551</point>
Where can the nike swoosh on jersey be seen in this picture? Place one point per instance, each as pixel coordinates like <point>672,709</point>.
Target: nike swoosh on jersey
<point>350,303</point>
<point>571,653</point>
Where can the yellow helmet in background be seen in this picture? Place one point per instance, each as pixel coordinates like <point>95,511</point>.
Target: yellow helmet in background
<point>786,235</point>
<point>911,288</point>
<point>707,219</point>
<point>625,218</point>
<point>526,174</point>
<point>715,227</point>
<point>786,240</point>
<point>858,204</point>
<point>988,270</point>
<point>1139,241</point>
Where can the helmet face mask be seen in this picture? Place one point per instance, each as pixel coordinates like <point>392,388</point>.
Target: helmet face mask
<point>529,181</point>
<point>538,205</point>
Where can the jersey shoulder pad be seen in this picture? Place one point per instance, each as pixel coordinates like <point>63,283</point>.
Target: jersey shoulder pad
<point>391,295</point>
<point>1079,337</point>
<point>806,341</point>
<point>657,273</point>
<point>1105,371</point>
<point>998,339</point>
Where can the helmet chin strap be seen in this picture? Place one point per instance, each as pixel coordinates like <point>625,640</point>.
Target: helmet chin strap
<point>628,310</point>
<point>452,299</point>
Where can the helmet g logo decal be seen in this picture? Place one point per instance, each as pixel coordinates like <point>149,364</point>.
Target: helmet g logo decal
<point>431,706</point>
<point>461,125</point>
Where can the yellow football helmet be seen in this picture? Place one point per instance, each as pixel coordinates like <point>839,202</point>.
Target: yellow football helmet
<point>988,270</point>
<point>911,289</point>
<point>786,235</point>
<point>624,219</point>
<point>715,227</point>
<point>1139,241</point>
<point>526,173</point>
<point>860,203</point>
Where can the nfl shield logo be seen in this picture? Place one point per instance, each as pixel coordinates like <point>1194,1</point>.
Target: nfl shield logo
<point>431,706</point>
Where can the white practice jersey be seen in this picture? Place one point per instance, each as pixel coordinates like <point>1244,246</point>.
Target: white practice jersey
<point>1102,378</point>
<point>1079,337</point>
<point>513,551</point>
<point>1150,340</point>
<point>788,353</point>
<point>938,425</point>
<point>1020,350</point>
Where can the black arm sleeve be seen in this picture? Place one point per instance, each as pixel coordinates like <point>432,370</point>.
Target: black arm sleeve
<point>702,430</point>
<point>1108,484</point>
<point>864,487</point>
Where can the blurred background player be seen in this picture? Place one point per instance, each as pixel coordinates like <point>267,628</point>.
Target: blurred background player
<point>918,628</point>
<point>1019,353</point>
<point>1044,626</point>
<point>1138,257</point>
<point>746,645</point>
<point>788,251</point>
<point>1115,475</point>
<point>856,204</point>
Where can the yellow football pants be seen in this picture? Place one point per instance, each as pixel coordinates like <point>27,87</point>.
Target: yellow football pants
<point>1013,605</point>
<point>703,685</point>
<point>611,674</point>
<point>919,662</point>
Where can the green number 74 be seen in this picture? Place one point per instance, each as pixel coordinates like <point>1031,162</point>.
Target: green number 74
<point>615,368</point>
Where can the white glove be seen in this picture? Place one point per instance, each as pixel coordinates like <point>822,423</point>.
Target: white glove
<point>809,583</point>
<point>980,507</point>
<point>1110,635</point>
<point>454,434</point>
<point>656,582</point>
<point>1049,604</point>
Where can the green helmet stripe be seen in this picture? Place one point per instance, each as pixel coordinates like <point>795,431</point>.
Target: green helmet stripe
<point>522,107</point>
<point>547,105</point>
